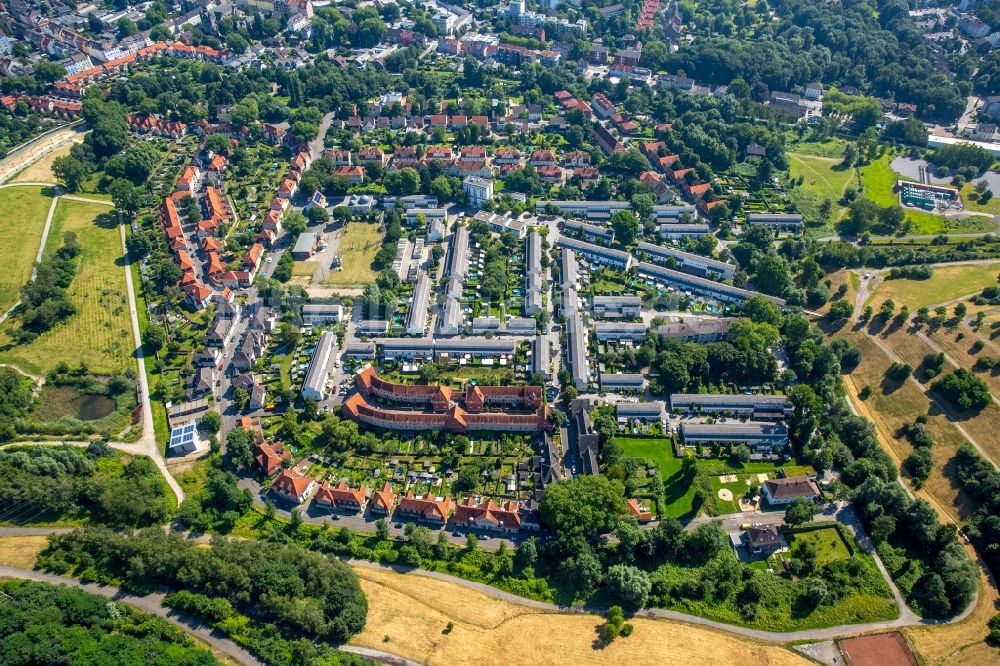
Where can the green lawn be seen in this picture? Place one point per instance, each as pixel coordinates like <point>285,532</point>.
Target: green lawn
<point>827,542</point>
<point>99,334</point>
<point>21,227</point>
<point>971,200</point>
<point>878,179</point>
<point>947,283</point>
<point>822,179</point>
<point>359,244</point>
<point>678,489</point>
<point>828,147</point>
<point>738,488</point>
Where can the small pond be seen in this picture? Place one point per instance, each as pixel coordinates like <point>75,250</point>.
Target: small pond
<point>91,407</point>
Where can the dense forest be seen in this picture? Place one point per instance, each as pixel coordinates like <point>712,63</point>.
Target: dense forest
<point>55,624</point>
<point>288,605</point>
<point>73,483</point>
<point>873,46</point>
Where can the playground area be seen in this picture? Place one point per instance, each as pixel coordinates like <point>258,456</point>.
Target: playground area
<point>733,491</point>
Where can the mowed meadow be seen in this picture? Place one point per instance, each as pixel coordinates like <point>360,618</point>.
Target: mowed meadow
<point>99,334</point>
<point>21,227</point>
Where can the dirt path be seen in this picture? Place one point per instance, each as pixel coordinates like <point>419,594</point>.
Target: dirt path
<point>33,150</point>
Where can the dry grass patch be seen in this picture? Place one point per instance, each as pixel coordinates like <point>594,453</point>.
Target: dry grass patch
<point>359,243</point>
<point>21,551</point>
<point>413,612</point>
<point>948,283</point>
<point>837,278</point>
<point>893,405</point>
<point>40,171</point>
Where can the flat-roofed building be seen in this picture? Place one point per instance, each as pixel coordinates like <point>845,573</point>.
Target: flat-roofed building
<point>647,412</point>
<point>439,215</point>
<point>305,246</point>
<point>416,318</point>
<point>597,253</point>
<point>316,314</point>
<point>699,285</point>
<point>760,435</point>
<point>627,307</point>
<point>679,231</point>
<point>372,327</point>
<point>458,261</point>
<point>592,210</point>
<point>475,347</point>
<point>620,331</point>
<point>314,385</point>
<point>451,321</point>
<point>673,214</point>
<point>625,382</point>
<point>686,261</point>
<point>405,349</point>
<point>604,235</point>
<point>541,357</point>
<point>576,336</point>
<point>715,403</point>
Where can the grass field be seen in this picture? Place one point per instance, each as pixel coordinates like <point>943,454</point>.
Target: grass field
<point>40,171</point>
<point>408,615</point>
<point>678,491</point>
<point>878,179</point>
<point>821,180</point>
<point>947,283</point>
<point>359,244</point>
<point>21,227</point>
<point>21,551</point>
<point>99,334</point>
<point>827,542</point>
<point>970,198</point>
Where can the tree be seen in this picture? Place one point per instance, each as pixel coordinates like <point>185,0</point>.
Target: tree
<point>211,421</point>
<point>800,512</point>
<point>628,583</point>
<point>154,337</point>
<point>237,42</point>
<point>964,389</point>
<point>919,465</point>
<point>238,450</point>
<point>49,72</point>
<point>899,371</point>
<point>126,196</point>
<point>840,310</point>
<point>69,171</point>
<point>625,226</point>
<point>382,529</point>
<point>582,506</point>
